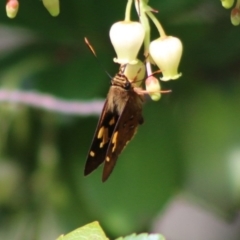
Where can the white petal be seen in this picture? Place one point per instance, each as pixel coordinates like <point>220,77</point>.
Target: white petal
<point>126,38</point>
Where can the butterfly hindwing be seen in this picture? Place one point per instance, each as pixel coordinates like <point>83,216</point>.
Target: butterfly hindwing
<point>124,131</point>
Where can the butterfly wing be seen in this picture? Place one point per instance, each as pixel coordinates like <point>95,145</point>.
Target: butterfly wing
<point>125,128</point>
<point>105,127</point>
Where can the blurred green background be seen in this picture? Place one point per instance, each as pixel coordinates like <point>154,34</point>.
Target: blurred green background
<point>189,143</point>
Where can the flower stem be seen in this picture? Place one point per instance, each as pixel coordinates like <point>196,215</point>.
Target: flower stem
<point>128,11</point>
<point>149,69</point>
<point>157,24</point>
<point>238,4</point>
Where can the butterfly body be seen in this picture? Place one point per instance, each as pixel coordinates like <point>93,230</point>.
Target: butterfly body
<point>119,120</point>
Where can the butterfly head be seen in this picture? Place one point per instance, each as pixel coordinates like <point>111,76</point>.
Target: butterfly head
<point>122,81</point>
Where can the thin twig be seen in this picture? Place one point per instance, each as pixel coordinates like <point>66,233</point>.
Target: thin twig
<point>50,103</point>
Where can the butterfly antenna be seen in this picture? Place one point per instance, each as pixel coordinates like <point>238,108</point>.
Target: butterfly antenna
<point>95,55</point>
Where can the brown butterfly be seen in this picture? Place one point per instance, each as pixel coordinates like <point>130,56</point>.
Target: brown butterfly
<point>119,120</point>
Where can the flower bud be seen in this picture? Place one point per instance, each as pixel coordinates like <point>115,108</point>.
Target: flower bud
<point>166,52</point>
<point>227,3</point>
<point>135,72</point>
<point>235,16</point>
<point>153,87</point>
<point>12,8</point>
<point>52,6</point>
<point>127,38</point>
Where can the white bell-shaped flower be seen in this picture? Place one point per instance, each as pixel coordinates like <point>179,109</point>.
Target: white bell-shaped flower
<point>153,87</point>
<point>166,52</point>
<point>12,8</point>
<point>127,38</point>
<point>52,6</point>
<point>227,3</point>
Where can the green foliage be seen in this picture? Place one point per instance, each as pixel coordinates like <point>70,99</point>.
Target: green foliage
<point>91,231</point>
<point>142,236</point>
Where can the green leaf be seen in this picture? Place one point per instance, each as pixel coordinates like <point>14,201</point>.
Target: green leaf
<point>91,231</point>
<point>143,236</point>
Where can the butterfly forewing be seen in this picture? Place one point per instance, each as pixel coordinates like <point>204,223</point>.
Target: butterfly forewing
<point>97,152</point>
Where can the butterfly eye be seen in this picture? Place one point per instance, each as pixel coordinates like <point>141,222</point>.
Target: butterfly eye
<point>127,85</point>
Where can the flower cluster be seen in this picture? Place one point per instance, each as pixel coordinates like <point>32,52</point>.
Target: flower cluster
<point>235,13</point>
<point>128,36</point>
<point>51,5</point>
